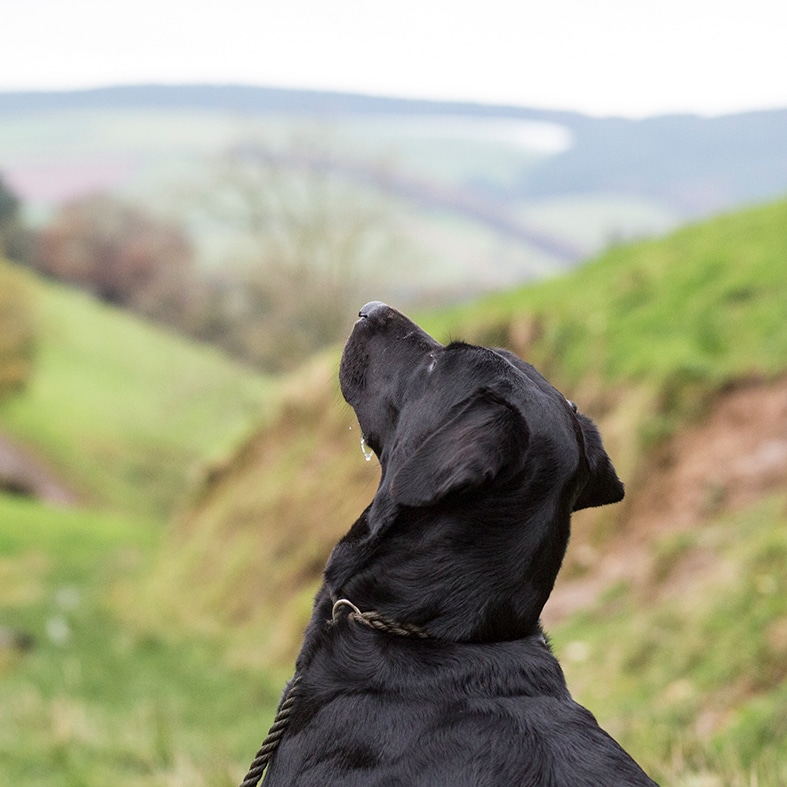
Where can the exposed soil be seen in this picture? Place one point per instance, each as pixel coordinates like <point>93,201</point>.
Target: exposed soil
<point>733,457</point>
<point>24,474</point>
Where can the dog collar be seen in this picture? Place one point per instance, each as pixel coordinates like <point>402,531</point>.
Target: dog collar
<point>375,620</point>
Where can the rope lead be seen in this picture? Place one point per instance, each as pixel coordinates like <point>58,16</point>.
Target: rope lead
<point>372,619</point>
<point>273,738</point>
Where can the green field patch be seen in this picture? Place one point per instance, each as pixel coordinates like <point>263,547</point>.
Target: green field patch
<point>87,697</point>
<point>123,410</point>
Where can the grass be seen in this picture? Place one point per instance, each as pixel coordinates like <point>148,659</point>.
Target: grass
<point>123,410</point>
<point>167,675</point>
<point>127,414</point>
<point>700,688</point>
<point>706,302</point>
<point>97,701</point>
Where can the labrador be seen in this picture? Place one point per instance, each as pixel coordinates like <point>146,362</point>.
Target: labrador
<point>424,662</point>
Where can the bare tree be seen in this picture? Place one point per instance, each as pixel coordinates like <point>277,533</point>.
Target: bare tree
<point>122,254</point>
<point>312,238</point>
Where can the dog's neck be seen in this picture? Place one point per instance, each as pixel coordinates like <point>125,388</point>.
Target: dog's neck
<point>435,570</point>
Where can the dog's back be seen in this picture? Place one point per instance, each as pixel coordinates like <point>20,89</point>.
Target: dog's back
<point>386,710</point>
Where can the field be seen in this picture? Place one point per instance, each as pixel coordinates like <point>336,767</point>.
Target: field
<point>146,632</point>
<point>116,406</point>
<point>95,700</point>
<point>127,417</point>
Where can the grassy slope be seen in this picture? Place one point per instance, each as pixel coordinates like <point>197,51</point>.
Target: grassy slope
<point>699,658</point>
<point>97,701</point>
<point>643,338</point>
<point>698,675</point>
<point>646,335</point>
<point>123,410</point>
<point>125,413</point>
<point>707,302</point>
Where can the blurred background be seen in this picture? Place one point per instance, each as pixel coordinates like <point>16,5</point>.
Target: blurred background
<point>194,203</point>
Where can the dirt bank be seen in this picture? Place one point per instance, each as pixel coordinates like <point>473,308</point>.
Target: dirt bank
<point>734,456</point>
<point>22,473</point>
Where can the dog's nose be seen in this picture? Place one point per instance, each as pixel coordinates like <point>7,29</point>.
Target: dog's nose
<point>372,308</point>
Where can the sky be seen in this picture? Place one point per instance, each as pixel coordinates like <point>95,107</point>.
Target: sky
<point>624,57</point>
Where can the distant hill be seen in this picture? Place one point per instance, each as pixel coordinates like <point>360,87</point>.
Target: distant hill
<point>247,98</point>
<point>699,165</point>
<point>491,195</point>
<point>729,155</point>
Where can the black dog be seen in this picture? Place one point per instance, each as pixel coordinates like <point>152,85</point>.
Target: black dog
<point>424,662</point>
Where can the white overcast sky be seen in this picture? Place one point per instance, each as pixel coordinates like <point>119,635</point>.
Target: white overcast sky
<point>628,57</point>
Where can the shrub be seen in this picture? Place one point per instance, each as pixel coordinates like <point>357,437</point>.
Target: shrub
<point>17,331</point>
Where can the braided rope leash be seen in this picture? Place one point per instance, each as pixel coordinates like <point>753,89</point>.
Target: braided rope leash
<point>273,738</point>
<point>373,620</point>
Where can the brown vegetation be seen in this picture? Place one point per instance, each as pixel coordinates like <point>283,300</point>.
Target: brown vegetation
<point>277,508</point>
<point>300,482</point>
<point>17,331</point>
<point>730,458</point>
<point>122,254</point>
<point>308,242</point>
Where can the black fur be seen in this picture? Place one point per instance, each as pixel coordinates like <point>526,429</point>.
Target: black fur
<point>483,462</point>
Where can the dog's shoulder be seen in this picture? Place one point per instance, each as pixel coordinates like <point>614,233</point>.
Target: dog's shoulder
<point>376,709</point>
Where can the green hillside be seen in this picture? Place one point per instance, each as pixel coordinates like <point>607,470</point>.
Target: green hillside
<point>137,655</point>
<point>123,411</point>
<point>124,415</point>
<point>647,339</point>
<point>646,335</point>
<point>707,302</point>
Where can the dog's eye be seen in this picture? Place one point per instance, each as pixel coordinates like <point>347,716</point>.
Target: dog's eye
<point>572,405</point>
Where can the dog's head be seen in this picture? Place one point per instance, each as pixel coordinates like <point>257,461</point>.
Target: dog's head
<point>482,461</point>
<point>459,419</point>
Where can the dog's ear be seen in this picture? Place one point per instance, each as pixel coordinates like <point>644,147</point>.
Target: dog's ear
<point>482,437</point>
<point>603,485</point>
